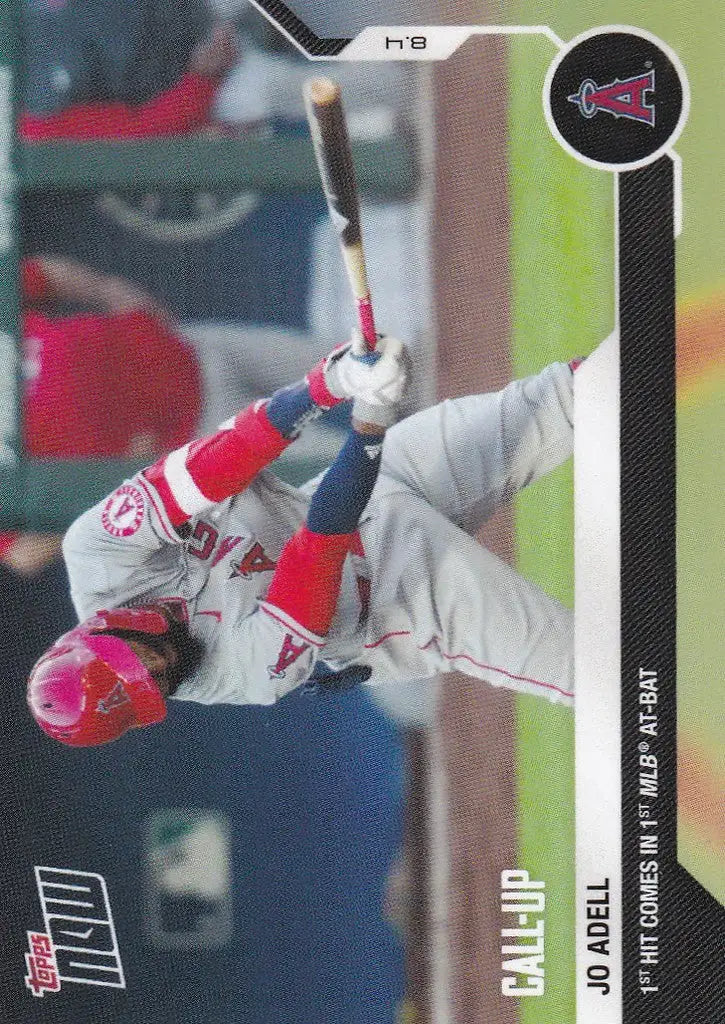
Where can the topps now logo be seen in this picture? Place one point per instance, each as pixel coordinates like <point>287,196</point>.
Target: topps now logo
<point>79,942</point>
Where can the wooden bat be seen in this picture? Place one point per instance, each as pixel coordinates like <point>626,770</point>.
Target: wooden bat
<point>326,116</point>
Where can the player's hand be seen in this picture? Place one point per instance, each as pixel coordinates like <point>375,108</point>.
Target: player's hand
<point>375,387</point>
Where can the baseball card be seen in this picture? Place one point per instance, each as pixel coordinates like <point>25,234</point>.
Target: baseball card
<point>361,431</point>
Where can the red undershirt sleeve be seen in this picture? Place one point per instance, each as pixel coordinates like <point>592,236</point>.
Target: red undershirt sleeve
<point>306,582</point>
<point>193,478</point>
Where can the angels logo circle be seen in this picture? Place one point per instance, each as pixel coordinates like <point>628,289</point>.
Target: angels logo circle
<point>123,512</point>
<point>616,98</point>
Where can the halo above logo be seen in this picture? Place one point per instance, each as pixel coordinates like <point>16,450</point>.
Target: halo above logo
<point>616,98</point>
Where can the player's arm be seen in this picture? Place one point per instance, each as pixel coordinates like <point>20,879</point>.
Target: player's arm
<point>300,604</point>
<point>192,479</point>
<point>130,536</point>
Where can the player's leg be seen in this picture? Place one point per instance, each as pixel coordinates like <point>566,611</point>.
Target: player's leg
<point>502,628</point>
<point>466,455</point>
<point>469,610</point>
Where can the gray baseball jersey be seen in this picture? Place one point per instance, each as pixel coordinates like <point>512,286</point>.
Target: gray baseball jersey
<point>419,594</point>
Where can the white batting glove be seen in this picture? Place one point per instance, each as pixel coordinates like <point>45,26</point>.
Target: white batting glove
<point>375,387</point>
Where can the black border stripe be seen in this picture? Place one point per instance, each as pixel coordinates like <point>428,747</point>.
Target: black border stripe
<point>647,412</point>
<point>313,44</point>
<point>689,980</point>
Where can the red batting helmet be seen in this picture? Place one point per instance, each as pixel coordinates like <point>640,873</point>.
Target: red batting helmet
<point>90,687</point>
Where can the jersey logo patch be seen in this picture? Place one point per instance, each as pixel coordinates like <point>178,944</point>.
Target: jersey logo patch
<point>288,655</point>
<point>113,699</point>
<point>122,514</point>
<point>254,560</point>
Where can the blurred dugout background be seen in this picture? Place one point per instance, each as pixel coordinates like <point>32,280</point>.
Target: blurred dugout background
<point>249,851</point>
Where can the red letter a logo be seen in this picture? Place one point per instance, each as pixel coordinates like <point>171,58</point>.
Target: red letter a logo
<point>288,654</point>
<point>113,699</point>
<point>621,98</point>
<point>254,560</point>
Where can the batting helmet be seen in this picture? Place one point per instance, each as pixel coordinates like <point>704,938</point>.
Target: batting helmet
<point>90,687</point>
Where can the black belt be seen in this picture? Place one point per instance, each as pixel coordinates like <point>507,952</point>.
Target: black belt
<point>325,678</point>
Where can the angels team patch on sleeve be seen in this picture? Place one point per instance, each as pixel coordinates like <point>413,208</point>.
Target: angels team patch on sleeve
<point>123,512</point>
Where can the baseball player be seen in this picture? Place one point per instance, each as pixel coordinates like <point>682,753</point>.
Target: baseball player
<point>206,578</point>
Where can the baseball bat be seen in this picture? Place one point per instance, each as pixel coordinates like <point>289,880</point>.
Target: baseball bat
<point>328,126</point>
